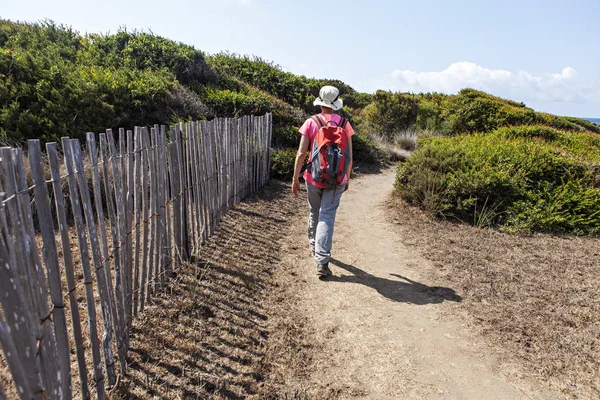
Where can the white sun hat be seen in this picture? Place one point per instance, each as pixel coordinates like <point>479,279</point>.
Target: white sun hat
<point>328,97</point>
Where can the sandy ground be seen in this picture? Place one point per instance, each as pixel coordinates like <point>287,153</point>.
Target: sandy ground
<point>380,331</point>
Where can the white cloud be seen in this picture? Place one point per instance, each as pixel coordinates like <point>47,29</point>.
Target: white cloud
<point>244,1</point>
<point>565,86</point>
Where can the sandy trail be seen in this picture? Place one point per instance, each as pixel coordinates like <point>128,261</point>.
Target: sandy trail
<point>384,332</point>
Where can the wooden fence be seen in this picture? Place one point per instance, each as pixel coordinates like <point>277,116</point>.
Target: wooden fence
<point>138,205</point>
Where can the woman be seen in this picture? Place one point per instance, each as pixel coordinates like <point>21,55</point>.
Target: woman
<point>323,202</point>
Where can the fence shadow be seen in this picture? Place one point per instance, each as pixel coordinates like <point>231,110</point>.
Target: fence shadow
<point>206,335</point>
<point>404,290</point>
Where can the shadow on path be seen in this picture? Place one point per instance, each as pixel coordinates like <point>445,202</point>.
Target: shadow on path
<point>404,290</point>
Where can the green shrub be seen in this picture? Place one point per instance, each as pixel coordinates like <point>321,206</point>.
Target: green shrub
<point>572,207</point>
<point>56,82</point>
<point>228,103</point>
<point>264,75</point>
<point>390,113</point>
<point>529,183</point>
<point>285,136</point>
<point>50,86</point>
<point>585,145</point>
<point>282,163</point>
<point>545,133</point>
<point>185,105</point>
<point>557,122</point>
<point>297,91</point>
<point>147,51</point>
<point>585,124</point>
<point>429,116</point>
<point>356,100</point>
<point>476,111</point>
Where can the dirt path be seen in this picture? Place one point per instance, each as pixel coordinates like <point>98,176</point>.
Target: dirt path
<point>381,330</point>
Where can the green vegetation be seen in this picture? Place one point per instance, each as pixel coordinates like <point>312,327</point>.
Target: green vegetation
<point>56,82</point>
<point>481,159</point>
<point>282,162</point>
<point>390,113</point>
<point>523,178</point>
<point>493,162</point>
<point>467,112</point>
<point>50,86</point>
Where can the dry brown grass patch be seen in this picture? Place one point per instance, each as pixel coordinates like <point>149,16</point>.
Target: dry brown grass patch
<point>209,335</point>
<point>538,296</point>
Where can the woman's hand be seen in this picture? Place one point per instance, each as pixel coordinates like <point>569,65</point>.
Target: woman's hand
<point>300,156</point>
<point>295,187</point>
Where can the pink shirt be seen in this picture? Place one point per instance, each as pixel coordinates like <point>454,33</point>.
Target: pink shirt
<point>310,129</point>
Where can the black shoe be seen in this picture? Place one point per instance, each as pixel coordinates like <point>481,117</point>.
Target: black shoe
<point>323,270</point>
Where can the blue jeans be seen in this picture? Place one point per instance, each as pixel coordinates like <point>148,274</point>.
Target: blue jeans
<point>323,204</point>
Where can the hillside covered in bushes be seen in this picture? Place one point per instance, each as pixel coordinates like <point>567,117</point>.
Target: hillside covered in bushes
<point>56,82</point>
<point>494,162</point>
<point>480,158</point>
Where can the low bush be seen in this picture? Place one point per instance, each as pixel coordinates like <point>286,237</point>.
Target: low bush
<point>429,116</point>
<point>558,122</point>
<point>475,111</point>
<point>146,51</point>
<point>296,90</point>
<point>585,145</point>
<point>389,113</point>
<point>588,125</point>
<point>282,163</point>
<point>571,207</point>
<point>285,136</point>
<point>228,103</point>
<point>530,185</point>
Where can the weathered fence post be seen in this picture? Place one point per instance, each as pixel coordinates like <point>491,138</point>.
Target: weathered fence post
<point>103,289</point>
<point>175,194</point>
<point>18,349</point>
<point>85,261</point>
<point>10,350</point>
<point>61,216</point>
<point>115,201</point>
<point>137,208</point>
<point>118,327</point>
<point>146,218</point>
<point>50,251</point>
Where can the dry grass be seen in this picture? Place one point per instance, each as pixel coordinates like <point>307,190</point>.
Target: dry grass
<point>406,140</point>
<point>211,334</point>
<point>399,147</point>
<point>537,297</point>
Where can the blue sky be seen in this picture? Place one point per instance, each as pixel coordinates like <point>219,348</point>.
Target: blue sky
<point>545,53</point>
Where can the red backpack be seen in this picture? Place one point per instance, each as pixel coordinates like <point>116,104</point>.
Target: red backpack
<point>330,153</point>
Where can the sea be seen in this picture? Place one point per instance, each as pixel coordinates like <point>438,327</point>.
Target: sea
<point>594,120</point>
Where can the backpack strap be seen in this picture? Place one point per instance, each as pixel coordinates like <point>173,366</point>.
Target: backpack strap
<point>319,120</point>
